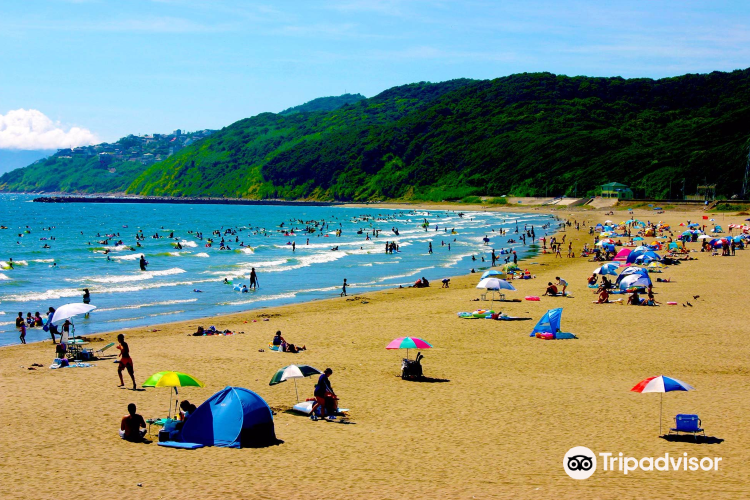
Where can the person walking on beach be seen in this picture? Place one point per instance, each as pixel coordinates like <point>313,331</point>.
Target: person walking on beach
<point>21,325</point>
<point>49,327</point>
<point>343,289</point>
<point>143,263</point>
<point>126,362</point>
<point>253,278</point>
<point>430,249</point>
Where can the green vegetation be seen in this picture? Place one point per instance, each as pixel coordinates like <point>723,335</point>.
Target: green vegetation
<point>497,201</point>
<point>521,135</point>
<point>729,207</point>
<point>324,104</point>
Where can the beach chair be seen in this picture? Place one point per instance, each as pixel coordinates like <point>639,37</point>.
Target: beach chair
<point>100,351</point>
<point>688,424</point>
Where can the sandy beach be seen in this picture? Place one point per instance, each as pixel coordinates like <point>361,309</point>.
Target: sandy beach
<point>498,426</point>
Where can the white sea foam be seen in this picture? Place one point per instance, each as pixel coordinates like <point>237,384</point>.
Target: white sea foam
<point>261,298</point>
<point>151,304</point>
<point>146,275</point>
<point>43,261</point>
<point>134,256</point>
<point>202,254</point>
<point>190,244</point>
<point>3,277</point>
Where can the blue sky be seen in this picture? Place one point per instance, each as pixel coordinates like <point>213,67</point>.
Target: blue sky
<point>144,66</point>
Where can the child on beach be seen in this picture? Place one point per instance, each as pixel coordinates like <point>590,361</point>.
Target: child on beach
<point>126,362</point>
<point>21,325</point>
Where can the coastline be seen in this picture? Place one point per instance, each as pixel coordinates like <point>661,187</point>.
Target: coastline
<point>233,316</point>
<point>502,407</point>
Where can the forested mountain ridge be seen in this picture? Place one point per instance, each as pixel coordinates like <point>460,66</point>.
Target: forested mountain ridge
<point>528,134</point>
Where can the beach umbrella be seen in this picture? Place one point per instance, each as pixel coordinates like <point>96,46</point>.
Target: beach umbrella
<point>610,268</point>
<point>490,273</point>
<point>495,284</point>
<point>704,237</point>
<point>172,380</point>
<point>661,384</point>
<point>637,238</point>
<point>69,310</point>
<point>293,372</point>
<point>408,343</point>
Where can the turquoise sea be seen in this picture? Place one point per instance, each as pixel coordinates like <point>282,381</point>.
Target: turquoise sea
<point>84,253</point>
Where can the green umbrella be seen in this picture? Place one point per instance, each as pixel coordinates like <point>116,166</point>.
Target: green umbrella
<point>173,380</point>
<point>293,372</point>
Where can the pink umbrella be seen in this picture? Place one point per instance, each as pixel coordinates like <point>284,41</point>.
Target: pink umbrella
<point>408,343</point>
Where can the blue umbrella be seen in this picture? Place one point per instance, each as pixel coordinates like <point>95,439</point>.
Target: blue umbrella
<point>490,273</point>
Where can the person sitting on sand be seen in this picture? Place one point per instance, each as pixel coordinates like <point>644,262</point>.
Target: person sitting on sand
<point>634,299</point>
<point>325,398</point>
<point>606,283</point>
<point>603,296</point>
<point>186,409</point>
<point>132,427</point>
<point>650,301</point>
<point>593,279</point>
<point>278,340</point>
<point>551,289</point>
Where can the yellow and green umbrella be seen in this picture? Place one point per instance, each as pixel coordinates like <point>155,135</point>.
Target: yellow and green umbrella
<point>172,380</point>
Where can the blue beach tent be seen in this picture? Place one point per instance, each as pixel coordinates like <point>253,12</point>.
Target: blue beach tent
<point>550,323</point>
<point>232,418</point>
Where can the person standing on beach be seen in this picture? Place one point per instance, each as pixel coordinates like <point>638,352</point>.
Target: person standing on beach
<point>253,278</point>
<point>126,362</point>
<point>494,257</point>
<point>49,327</point>
<point>515,257</point>
<point>430,250</point>
<point>343,289</point>
<point>21,325</point>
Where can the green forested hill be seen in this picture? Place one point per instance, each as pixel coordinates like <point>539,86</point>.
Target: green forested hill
<point>324,104</point>
<point>525,134</point>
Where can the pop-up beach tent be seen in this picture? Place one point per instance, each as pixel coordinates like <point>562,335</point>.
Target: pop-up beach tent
<point>548,327</point>
<point>232,418</point>
<point>630,270</point>
<point>622,255</point>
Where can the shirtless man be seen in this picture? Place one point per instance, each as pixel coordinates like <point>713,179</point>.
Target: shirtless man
<point>132,426</point>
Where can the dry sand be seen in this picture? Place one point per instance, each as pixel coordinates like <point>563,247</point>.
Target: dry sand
<point>497,429</point>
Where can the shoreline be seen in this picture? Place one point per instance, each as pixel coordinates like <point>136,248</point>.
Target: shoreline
<point>500,408</point>
<point>228,317</point>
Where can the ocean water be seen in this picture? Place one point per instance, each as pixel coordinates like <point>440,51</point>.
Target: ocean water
<point>82,237</point>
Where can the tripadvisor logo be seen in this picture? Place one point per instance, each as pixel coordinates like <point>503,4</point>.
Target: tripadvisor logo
<point>580,463</point>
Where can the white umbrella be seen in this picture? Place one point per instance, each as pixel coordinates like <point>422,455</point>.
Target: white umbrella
<point>293,372</point>
<point>704,237</point>
<point>495,284</point>
<point>69,310</point>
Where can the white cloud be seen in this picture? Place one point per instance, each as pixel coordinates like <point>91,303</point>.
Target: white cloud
<point>32,129</point>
